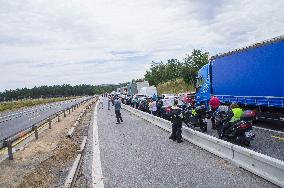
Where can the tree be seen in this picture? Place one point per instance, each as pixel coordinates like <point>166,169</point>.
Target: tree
<point>192,63</point>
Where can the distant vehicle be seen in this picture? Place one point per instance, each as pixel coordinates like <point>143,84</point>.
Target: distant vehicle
<point>138,96</point>
<point>252,77</point>
<point>149,91</point>
<point>165,96</point>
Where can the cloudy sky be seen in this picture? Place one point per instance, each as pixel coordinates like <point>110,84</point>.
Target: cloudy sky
<point>46,42</point>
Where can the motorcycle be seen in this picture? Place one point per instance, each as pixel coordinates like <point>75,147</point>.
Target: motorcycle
<point>195,117</point>
<point>240,132</point>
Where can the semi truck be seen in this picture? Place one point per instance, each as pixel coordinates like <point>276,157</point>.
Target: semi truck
<point>252,77</point>
<point>149,91</point>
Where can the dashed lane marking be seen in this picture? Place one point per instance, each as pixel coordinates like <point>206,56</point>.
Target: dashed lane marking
<point>278,137</point>
<point>270,130</point>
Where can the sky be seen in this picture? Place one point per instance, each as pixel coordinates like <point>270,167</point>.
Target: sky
<point>48,42</point>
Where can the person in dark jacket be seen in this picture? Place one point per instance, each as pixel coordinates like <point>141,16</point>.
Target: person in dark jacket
<point>117,107</point>
<point>159,105</point>
<point>176,119</point>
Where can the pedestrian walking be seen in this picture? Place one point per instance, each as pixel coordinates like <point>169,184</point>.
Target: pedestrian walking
<point>101,102</point>
<point>176,119</point>
<point>117,107</point>
<point>108,102</point>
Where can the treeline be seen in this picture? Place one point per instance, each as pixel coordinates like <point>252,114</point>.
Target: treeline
<point>55,91</point>
<point>173,69</point>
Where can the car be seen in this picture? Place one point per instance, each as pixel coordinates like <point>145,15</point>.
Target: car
<point>167,104</point>
<point>165,96</point>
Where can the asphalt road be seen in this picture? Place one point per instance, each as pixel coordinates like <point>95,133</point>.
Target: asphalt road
<point>267,141</point>
<point>138,154</point>
<point>14,121</point>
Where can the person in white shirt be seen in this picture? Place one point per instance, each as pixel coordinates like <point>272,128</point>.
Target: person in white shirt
<point>101,102</point>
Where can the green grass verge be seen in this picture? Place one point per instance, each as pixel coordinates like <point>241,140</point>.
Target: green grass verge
<point>174,87</point>
<point>31,102</point>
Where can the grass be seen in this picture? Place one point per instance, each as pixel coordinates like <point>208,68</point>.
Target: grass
<point>174,87</point>
<point>30,102</point>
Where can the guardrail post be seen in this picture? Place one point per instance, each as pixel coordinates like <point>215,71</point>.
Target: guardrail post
<point>36,132</point>
<point>58,117</point>
<point>49,123</point>
<point>69,111</point>
<point>72,108</point>
<point>10,149</point>
<point>64,113</point>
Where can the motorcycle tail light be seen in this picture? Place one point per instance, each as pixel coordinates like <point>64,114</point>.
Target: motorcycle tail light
<point>168,110</point>
<point>244,126</point>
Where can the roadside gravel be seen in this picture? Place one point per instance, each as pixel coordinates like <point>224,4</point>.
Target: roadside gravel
<point>138,154</point>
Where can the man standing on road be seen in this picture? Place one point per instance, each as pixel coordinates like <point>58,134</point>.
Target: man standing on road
<point>108,102</point>
<point>117,107</point>
<point>176,119</point>
<point>101,102</point>
<point>214,104</point>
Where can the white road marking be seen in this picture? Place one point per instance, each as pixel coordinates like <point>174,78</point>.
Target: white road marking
<point>97,174</point>
<point>279,132</point>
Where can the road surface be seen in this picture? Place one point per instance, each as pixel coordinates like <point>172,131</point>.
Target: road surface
<point>17,120</point>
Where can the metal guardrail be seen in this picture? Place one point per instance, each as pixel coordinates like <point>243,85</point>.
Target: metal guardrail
<point>262,165</point>
<point>8,142</point>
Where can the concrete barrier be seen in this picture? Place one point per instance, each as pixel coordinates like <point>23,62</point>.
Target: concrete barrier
<point>262,165</point>
<point>267,167</point>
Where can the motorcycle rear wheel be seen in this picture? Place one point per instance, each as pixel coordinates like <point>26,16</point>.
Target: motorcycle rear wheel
<point>203,128</point>
<point>246,143</point>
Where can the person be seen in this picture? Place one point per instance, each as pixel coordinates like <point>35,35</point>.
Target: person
<point>117,107</point>
<point>159,105</point>
<point>176,119</point>
<point>234,115</point>
<point>154,107</point>
<point>214,104</point>
<point>134,101</point>
<point>150,104</point>
<point>101,102</point>
<point>112,99</point>
<point>108,102</point>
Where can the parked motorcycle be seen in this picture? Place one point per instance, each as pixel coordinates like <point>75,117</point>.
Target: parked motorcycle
<point>195,117</point>
<point>240,132</point>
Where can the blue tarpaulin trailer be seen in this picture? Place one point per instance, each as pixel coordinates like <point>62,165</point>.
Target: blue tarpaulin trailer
<point>252,76</point>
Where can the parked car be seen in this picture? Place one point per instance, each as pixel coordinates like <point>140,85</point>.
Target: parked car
<point>166,108</point>
<point>165,96</point>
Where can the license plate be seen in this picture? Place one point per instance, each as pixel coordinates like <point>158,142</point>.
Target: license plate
<point>249,134</point>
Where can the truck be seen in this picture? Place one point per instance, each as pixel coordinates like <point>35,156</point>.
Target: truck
<point>149,91</point>
<point>252,77</point>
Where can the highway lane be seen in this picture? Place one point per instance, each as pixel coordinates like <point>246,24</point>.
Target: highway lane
<point>17,112</point>
<point>137,154</point>
<point>267,141</point>
<point>26,117</point>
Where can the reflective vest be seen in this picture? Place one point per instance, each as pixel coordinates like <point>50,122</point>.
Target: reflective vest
<point>237,114</point>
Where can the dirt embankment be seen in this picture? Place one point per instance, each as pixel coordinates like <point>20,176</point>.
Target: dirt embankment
<point>46,162</point>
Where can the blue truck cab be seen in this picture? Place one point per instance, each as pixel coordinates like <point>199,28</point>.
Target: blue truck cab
<point>203,85</point>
